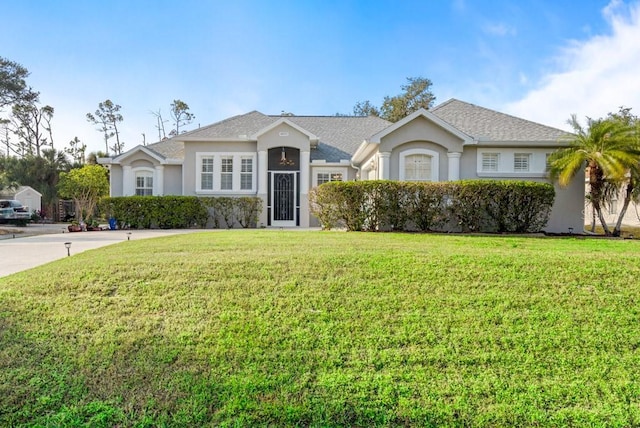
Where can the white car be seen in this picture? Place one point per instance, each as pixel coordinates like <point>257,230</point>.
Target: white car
<point>12,211</point>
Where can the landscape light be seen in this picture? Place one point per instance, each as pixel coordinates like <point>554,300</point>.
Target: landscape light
<point>571,231</point>
<point>128,236</point>
<point>67,245</point>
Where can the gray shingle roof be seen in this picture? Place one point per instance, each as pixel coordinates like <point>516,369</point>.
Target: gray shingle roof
<point>241,126</point>
<point>169,148</point>
<point>486,124</point>
<point>339,136</point>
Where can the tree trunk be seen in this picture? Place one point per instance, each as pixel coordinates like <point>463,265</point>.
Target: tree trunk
<point>625,206</point>
<point>596,182</point>
<point>603,221</point>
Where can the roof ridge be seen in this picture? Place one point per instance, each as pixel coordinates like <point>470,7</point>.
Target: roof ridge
<point>323,115</point>
<point>499,113</point>
<point>444,103</point>
<point>228,119</point>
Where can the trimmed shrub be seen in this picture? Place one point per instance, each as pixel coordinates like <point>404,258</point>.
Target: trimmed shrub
<point>520,206</point>
<point>425,205</point>
<point>179,212</point>
<point>467,206</point>
<point>247,211</point>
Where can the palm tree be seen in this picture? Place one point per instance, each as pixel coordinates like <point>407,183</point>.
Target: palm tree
<point>629,186</point>
<point>606,147</point>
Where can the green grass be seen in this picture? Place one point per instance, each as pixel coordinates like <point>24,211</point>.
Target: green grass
<point>247,328</point>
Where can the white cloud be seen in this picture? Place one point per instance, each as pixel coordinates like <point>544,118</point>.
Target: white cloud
<point>594,77</point>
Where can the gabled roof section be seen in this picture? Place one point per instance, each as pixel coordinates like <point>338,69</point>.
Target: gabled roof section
<point>170,148</point>
<point>427,115</point>
<point>484,124</point>
<point>339,136</point>
<point>286,121</point>
<point>140,148</point>
<point>240,127</point>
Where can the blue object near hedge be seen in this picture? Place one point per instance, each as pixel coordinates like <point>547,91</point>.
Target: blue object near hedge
<point>112,223</point>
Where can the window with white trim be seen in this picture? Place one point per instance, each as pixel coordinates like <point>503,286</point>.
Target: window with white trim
<point>547,164</point>
<point>246,173</point>
<point>490,161</point>
<point>144,183</point>
<point>206,173</point>
<point>417,167</point>
<point>326,177</point>
<point>226,173</point>
<point>521,162</point>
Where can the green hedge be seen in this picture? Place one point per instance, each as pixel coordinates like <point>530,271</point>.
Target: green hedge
<point>467,206</point>
<point>179,212</point>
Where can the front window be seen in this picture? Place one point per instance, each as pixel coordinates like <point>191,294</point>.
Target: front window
<point>226,173</point>
<point>547,164</point>
<point>417,167</point>
<point>490,161</point>
<point>521,162</point>
<point>206,173</point>
<point>246,174</point>
<point>144,183</point>
<point>325,177</point>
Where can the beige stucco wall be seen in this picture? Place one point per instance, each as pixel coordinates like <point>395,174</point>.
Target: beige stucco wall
<point>115,180</point>
<point>468,163</point>
<point>568,208</point>
<point>172,180</point>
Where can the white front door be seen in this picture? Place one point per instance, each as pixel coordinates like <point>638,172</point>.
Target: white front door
<point>283,199</point>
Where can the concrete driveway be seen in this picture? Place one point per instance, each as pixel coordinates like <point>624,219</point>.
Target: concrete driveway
<point>27,247</point>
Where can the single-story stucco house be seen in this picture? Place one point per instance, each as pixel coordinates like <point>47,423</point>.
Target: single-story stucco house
<point>279,158</point>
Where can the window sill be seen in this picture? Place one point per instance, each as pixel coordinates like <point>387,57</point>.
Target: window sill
<point>226,192</point>
<point>498,174</point>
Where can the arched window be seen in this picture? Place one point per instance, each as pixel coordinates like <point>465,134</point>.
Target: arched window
<point>419,165</point>
<point>144,183</point>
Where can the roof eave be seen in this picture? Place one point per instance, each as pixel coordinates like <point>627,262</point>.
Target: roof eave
<point>363,152</point>
<point>218,140</point>
<point>528,143</point>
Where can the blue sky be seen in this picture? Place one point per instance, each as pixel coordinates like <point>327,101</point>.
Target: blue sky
<point>542,60</point>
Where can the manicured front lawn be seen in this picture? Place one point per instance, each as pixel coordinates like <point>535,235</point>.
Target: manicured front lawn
<point>246,328</point>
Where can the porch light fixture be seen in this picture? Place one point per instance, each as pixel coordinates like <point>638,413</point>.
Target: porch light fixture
<point>284,160</point>
<point>67,245</point>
